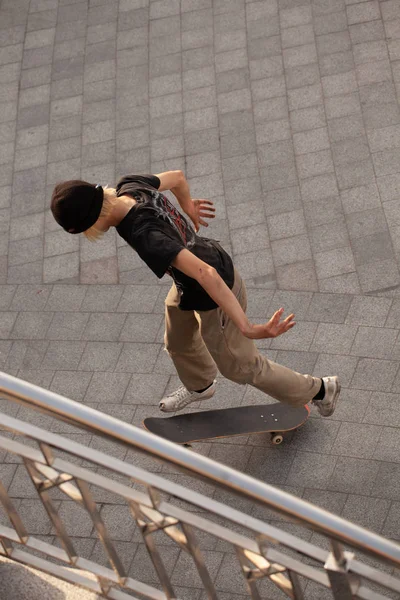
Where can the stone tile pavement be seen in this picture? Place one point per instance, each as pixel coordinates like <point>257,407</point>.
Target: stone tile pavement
<point>286,114</point>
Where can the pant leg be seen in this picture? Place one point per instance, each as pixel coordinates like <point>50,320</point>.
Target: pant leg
<point>239,360</point>
<point>183,342</point>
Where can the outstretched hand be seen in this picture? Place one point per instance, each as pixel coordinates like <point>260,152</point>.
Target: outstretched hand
<point>201,210</point>
<point>273,328</point>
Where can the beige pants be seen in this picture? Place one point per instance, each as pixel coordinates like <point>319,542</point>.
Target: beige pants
<point>201,343</point>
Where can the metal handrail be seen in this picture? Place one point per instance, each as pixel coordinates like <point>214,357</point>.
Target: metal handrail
<point>317,519</point>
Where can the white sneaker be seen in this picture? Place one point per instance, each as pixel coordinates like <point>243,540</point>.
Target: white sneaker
<point>327,405</point>
<point>182,397</point>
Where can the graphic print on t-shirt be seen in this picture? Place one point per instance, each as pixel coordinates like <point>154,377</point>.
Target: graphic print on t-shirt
<point>165,210</point>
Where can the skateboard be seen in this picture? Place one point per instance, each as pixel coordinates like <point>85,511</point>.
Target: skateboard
<point>274,419</point>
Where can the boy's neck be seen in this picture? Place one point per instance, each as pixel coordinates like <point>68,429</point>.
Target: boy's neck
<point>122,206</point>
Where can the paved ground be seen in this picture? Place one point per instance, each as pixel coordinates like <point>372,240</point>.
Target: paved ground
<point>286,114</point>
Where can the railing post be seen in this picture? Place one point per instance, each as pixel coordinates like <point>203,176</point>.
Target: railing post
<point>343,584</point>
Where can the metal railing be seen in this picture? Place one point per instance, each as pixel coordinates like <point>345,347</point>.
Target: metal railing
<point>268,557</point>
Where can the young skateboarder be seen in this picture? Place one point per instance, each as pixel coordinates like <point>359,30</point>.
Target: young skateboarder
<point>206,327</point>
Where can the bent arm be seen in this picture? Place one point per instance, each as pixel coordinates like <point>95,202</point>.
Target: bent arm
<point>176,182</point>
<point>215,287</point>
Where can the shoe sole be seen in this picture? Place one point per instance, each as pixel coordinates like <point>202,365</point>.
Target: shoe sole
<point>335,399</point>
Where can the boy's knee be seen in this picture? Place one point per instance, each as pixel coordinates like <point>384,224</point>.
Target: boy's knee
<point>236,375</point>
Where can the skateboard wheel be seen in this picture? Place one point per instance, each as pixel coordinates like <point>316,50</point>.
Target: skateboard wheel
<point>276,438</point>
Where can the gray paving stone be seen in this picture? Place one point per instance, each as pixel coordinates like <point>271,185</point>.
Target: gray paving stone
<point>71,384</point>
<point>197,39</point>
<point>286,225</point>
<point>380,410</point>
<point>314,163</point>
<point>371,248</point>
<point>387,162</point>
<point>25,251</point>
<point>137,358</point>
<point>270,110</point>
<point>296,77</point>
<point>204,118</point>
<point>9,112</point>
<point>237,189</point>
<point>278,176</point>
<point>298,35</point>
<point>249,239</point>
<point>297,276</point>
<point>270,66</point>
<point>236,79</point>
<point>386,482</point>
<point>391,525</point>
<point>31,325</point>
<point>262,89</point>
<point>388,445</point>
<point>366,222</point>
<point>350,150</point>
<point>311,469</point>
<point>354,475</point>
<point>318,187</point>
<point>282,200</point>
<point>366,310</point>
<point>291,250</point>
<point>334,262</point>
<point>56,268</point>
<point>333,338</point>
<point>311,141</point>
<point>347,283</point>
<point>26,273</point>
<point>374,72</point>
<point>259,48</point>
<point>273,131</point>
<point>140,328</point>
<point>10,73</point>
<point>233,101</point>
<point>344,367</point>
<point>360,198</point>
<point>355,174</point>
<point>233,145</point>
<point>275,153</point>
<point>7,320</point>
<point>379,275</point>
<point>378,93</point>
<point>233,59</point>
<point>333,42</point>
<point>107,387</point>
<point>244,166</point>
<point>366,32</point>
<point>329,308</point>
<point>374,342</point>
<point>145,388</point>
<point>307,118</point>
<point>333,64</point>
<point>373,374</point>
<point>363,12</point>
<point>255,264</point>
<point>33,116</point>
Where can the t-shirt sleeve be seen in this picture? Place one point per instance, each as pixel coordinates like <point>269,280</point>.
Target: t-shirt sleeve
<point>157,249</point>
<point>151,181</point>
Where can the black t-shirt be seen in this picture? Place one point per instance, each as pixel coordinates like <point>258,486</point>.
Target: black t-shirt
<point>158,232</point>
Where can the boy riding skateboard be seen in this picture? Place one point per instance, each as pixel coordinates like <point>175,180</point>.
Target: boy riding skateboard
<point>206,327</point>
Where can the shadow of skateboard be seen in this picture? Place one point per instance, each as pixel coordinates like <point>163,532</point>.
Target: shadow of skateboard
<point>274,419</point>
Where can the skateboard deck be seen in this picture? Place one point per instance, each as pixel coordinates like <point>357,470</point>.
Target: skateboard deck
<point>261,418</point>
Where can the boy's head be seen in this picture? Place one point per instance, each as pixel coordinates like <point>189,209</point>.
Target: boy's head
<point>76,205</point>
